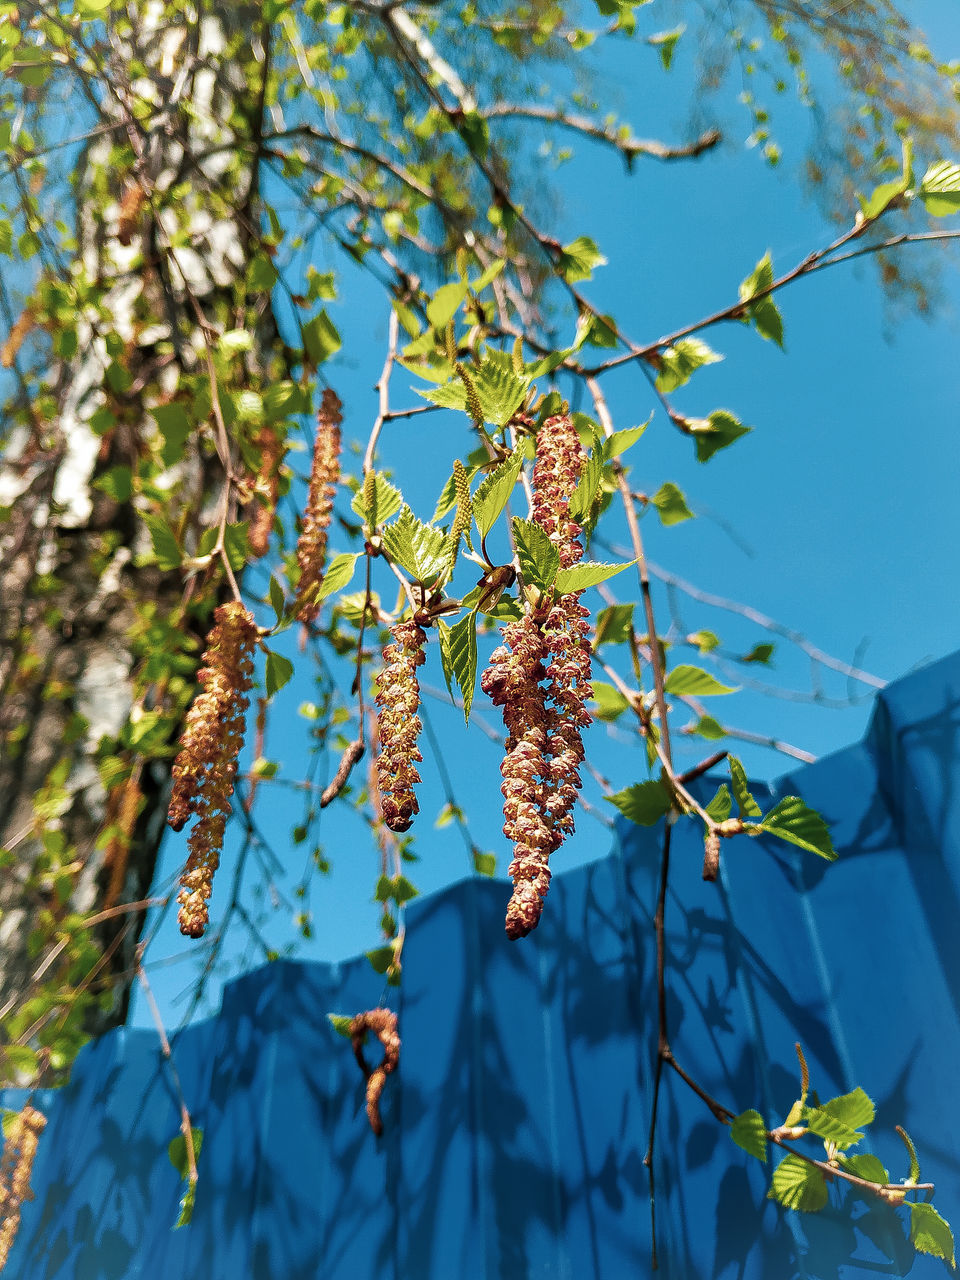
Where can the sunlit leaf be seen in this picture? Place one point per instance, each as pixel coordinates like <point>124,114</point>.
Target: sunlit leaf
<point>798,1185</point>
<point>749,1132</point>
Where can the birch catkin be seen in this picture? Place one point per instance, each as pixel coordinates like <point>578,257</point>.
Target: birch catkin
<point>19,1151</point>
<point>398,725</point>
<point>540,677</point>
<point>383,1023</point>
<point>324,478</point>
<point>206,766</point>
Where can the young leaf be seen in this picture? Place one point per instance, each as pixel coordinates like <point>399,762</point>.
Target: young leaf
<point>694,681</point>
<point>320,338</point>
<point>341,1023</point>
<point>798,1185</point>
<point>458,653</point>
<point>500,390</point>
<point>704,640</point>
<point>177,1151</point>
<point>338,574</point>
<point>610,702</point>
<point>671,504</point>
<point>381,958</point>
<point>792,820</point>
<point>444,303</point>
<point>485,864</point>
<point>665,42</point>
<point>588,486</point>
<point>451,395</point>
<point>940,189</point>
<point>854,1109</point>
<point>586,574</point>
<point>679,363</point>
<point>717,431</point>
<point>422,551</point>
<point>539,558</point>
<point>761,653</point>
<point>749,1132</point>
<point>385,501</point>
<point>644,803</point>
<point>883,196</point>
<point>279,670</point>
<point>614,625</point>
<point>746,804</point>
<point>494,491</point>
<point>761,277</point>
<point>709,728</point>
<point>166,549</point>
<point>236,544</point>
<point>929,1233</point>
<point>277,598</point>
<point>621,441</point>
<point>578,259</point>
<point>867,1166</point>
<point>187,1203</point>
<point>721,804</point>
<point>819,1121</point>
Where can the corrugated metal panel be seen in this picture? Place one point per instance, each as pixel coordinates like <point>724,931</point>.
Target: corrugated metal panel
<point>516,1124</point>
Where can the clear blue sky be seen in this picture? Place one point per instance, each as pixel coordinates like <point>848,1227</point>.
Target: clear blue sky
<point>837,516</point>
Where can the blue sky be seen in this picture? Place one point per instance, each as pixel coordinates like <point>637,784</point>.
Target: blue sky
<point>837,516</point>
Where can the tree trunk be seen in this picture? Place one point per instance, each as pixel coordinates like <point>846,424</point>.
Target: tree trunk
<point>86,727</point>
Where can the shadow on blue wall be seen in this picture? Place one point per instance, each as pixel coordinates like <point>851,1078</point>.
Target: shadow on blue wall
<point>516,1124</point>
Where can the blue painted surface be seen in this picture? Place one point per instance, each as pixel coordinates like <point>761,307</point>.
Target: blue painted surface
<point>516,1124</point>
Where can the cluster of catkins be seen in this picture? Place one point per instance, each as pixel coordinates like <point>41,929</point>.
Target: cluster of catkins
<point>383,1024</point>
<point>398,725</point>
<point>206,766</point>
<point>324,478</point>
<point>19,1150</point>
<point>540,676</point>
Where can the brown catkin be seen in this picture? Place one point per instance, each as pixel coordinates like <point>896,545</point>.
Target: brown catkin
<point>19,1150</point>
<point>541,679</point>
<point>383,1024</point>
<point>324,478</point>
<point>206,766</point>
<point>264,507</point>
<point>398,725</point>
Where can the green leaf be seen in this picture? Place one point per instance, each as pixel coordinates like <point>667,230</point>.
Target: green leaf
<point>500,390</point>
<point>929,1233</point>
<point>487,276</point>
<point>696,682</point>
<point>493,492</point>
<point>704,640</point>
<point>749,1132</point>
<point>386,501</point>
<point>277,598</point>
<point>854,1109</point>
<point>621,441</point>
<point>485,864</point>
<point>792,820</point>
<point>665,42</point>
<point>883,196</point>
<point>588,486</point>
<point>738,780</point>
<point>671,504</point>
<point>614,625</point>
<point>381,958</point>
<point>458,653</point>
<point>443,305</point>
<point>279,670</point>
<point>680,362</point>
<point>610,702</point>
<point>940,189</point>
<point>867,1166</point>
<point>708,727</point>
<point>644,803</point>
<point>539,558</point>
<point>177,1151</point>
<point>721,804</point>
<point>320,338</point>
<point>798,1185</point>
<point>166,549</point>
<point>117,483</point>
<point>422,551</point>
<point>717,431</point>
<point>341,1023</point>
<point>588,573</point>
<point>261,274</point>
<point>175,427</point>
<point>187,1202</point>
<point>236,544</point>
<point>761,277</point>
<point>819,1121</point>
<point>759,653</point>
<point>339,573</point>
<point>578,259</point>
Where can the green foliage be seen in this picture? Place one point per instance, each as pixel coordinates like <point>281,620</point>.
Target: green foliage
<point>929,1233</point>
<point>539,558</point>
<point>798,1185</point>
<point>793,821</point>
<point>694,682</point>
<point>749,1132</point>
<point>458,652</point>
<point>678,363</point>
<point>493,492</point>
<point>645,803</point>
<point>671,505</point>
